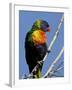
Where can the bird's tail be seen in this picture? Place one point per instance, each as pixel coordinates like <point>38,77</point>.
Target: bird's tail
<point>37,74</point>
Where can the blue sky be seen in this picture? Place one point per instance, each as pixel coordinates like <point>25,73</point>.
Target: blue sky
<point>26,20</point>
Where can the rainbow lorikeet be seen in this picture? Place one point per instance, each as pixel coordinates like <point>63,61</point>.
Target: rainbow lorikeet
<point>35,45</point>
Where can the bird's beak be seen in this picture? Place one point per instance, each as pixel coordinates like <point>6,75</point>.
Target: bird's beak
<point>48,29</point>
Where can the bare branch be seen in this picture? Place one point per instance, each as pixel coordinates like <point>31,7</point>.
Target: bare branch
<point>54,62</point>
<point>55,71</point>
<point>56,33</point>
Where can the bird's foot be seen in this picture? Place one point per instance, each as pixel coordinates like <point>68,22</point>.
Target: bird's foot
<point>40,62</point>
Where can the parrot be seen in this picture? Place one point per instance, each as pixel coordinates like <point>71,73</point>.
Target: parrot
<point>36,46</point>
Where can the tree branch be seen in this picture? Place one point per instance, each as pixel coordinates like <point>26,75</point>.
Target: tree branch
<point>54,62</point>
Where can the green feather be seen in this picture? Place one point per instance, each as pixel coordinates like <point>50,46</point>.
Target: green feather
<point>30,38</point>
<point>38,73</point>
<point>38,23</point>
<point>35,27</point>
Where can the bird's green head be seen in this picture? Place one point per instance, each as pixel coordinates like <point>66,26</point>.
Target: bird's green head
<point>41,25</point>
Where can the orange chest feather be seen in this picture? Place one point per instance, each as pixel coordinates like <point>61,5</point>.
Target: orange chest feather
<point>39,37</point>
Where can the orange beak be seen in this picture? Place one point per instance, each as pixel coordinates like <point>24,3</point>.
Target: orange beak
<point>48,29</point>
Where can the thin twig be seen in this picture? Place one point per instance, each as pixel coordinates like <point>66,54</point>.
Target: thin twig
<point>54,62</point>
<point>55,71</point>
<point>60,65</point>
<point>58,68</point>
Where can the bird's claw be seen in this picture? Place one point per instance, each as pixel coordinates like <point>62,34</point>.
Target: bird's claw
<point>40,62</point>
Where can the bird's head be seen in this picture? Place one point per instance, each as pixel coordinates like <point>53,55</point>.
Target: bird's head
<point>41,25</point>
